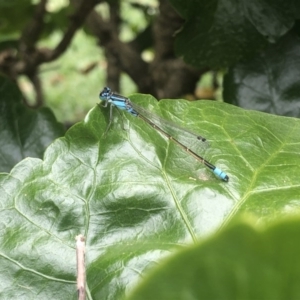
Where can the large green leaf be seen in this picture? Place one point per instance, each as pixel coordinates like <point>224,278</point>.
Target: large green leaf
<point>238,263</point>
<point>182,7</point>
<point>15,15</point>
<point>23,131</point>
<point>136,196</point>
<point>269,82</point>
<point>219,33</point>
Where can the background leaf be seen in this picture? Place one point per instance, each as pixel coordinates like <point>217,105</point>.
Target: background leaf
<point>269,82</point>
<point>182,7</point>
<point>238,263</point>
<point>221,32</point>
<point>23,131</point>
<point>21,16</point>
<point>136,196</point>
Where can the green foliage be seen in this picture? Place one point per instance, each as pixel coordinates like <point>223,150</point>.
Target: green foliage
<point>20,11</point>
<point>258,40</point>
<point>183,7</point>
<point>136,196</point>
<point>23,131</point>
<point>241,262</point>
<point>221,32</point>
<point>57,21</point>
<point>269,82</point>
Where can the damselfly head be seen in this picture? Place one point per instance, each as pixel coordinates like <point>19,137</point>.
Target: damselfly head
<point>105,94</point>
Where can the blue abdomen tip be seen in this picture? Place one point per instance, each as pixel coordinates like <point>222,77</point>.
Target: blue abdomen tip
<point>221,174</point>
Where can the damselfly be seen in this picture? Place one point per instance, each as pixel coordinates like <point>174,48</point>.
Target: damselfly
<point>124,103</point>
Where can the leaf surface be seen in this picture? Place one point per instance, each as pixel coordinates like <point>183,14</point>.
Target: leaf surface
<point>219,33</point>
<point>136,196</point>
<point>269,82</point>
<point>23,131</point>
<point>239,263</point>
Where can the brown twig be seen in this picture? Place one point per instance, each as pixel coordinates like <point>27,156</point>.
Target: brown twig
<point>30,63</point>
<point>33,30</point>
<point>167,75</point>
<point>113,70</point>
<point>28,58</point>
<point>36,82</point>
<point>80,255</point>
<point>76,21</point>
<point>171,75</point>
<point>125,55</point>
